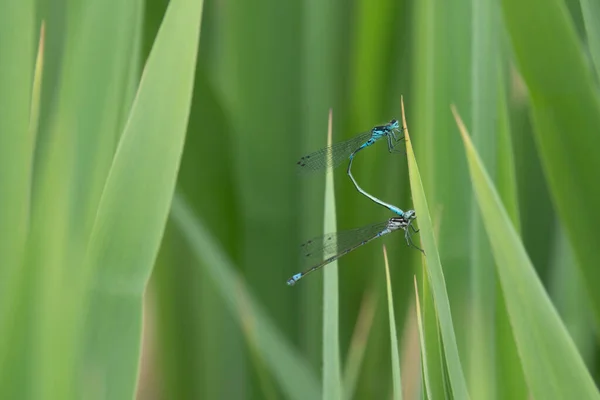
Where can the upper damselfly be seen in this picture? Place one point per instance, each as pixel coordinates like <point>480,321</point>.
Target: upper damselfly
<point>332,156</point>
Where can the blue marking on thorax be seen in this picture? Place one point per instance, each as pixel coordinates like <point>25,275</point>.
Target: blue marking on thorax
<point>378,134</point>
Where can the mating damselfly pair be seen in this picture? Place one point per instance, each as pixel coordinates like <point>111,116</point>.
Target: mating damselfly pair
<point>322,250</point>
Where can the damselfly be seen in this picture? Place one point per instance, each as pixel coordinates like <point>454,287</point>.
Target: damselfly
<point>332,156</point>
<point>322,250</point>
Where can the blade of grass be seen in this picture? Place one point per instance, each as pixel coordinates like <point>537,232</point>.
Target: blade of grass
<point>552,365</point>
<point>564,100</point>
<point>332,380</point>
<point>289,368</point>
<point>396,378</point>
<point>435,273</point>
<point>433,341</point>
<point>424,358</point>
<point>135,201</point>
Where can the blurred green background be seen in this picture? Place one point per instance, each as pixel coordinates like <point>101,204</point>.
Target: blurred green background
<point>90,146</point>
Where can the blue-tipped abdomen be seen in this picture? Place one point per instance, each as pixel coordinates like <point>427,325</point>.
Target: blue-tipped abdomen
<point>292,281</point>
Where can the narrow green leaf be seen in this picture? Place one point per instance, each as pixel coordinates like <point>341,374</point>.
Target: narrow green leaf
<point>332,380</point>
<point>135,202</point>
<point>438,387</point>
<point>564,100</point>
<point>552,365</point>
<point>435,274</point>
<point>396,379</point>
<point>423,347</point>
<point>288,367</point>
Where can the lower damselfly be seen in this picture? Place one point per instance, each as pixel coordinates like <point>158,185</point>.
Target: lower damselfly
<point>322,250</point>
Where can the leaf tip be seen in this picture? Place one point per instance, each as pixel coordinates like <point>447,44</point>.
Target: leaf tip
<point>404,125</point>
<point>417,304</point>
<point>387,266</point>
<point>409,149</point>
<point>459,122</point>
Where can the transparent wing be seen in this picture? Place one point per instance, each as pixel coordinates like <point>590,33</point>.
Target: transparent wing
<point>324,247</point>
<point>320,251</point>
<point>331,156</point>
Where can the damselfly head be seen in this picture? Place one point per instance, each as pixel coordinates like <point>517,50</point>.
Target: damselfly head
<point>410,215</point>
<point>394,124</point>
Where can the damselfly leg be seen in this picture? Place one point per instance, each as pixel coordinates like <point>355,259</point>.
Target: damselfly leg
<point>408,237</point>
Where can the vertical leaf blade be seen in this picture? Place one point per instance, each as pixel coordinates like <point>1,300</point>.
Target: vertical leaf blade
<point>135,202</point>
<point>565,100</point>
<point>552,365</point>
<point>435,274</point>
<point>332,380</point>
<point>396,379</point>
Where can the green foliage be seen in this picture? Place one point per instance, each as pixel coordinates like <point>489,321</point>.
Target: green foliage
<point>110,286</point>
<point>397,383</point>
<point>435,275</point>
<point>332,379</point>
<point>553,367</point>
